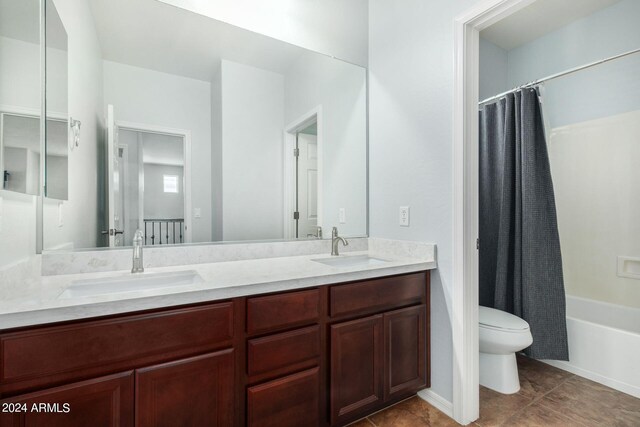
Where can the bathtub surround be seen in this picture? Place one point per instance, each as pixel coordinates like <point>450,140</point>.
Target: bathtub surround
<point>597,180</point>
<point>520,259</point>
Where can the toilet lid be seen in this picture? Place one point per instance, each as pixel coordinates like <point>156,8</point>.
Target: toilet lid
<point>490,317</point>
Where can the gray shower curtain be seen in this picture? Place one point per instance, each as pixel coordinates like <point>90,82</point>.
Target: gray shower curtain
<point>520,259</point>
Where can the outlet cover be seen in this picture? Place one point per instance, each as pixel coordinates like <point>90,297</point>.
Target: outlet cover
<point>404,216</point>
<point>197,213</point>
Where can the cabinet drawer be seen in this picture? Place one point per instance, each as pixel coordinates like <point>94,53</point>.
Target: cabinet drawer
<point>286,402</point>
<point>287,351</point>
<point>280,311</point>
<point>55,354</point>
<point>377,295</point>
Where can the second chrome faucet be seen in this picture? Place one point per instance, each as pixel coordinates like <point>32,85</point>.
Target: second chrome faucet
<point>335,239</point>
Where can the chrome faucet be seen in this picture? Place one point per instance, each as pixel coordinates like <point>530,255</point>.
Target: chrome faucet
<point>138,265</point>
<point>318,234</point>
<point>334,241</point>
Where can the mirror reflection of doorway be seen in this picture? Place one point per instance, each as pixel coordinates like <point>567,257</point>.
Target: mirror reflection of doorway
<point>306,185</point>
<point>148,183</point>
<point>152,171</point>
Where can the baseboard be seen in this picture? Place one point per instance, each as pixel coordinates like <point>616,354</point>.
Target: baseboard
<point>609,382</point>
<point>437,401</point>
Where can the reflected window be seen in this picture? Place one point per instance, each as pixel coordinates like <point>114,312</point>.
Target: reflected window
<point>170,183</point>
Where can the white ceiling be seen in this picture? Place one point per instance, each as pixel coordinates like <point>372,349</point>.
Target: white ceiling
<point>538,19</point>
<point>154,35</point>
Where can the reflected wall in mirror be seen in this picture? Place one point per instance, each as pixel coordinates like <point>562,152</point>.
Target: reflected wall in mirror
<point>20,96</point>
<point>213,131</point>
<point>56,135</point>
<point>21,153</point>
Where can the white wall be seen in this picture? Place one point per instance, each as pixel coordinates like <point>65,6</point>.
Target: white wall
<point>20,76</point>
<point>252,140</point>
<point>333,27</point>
<point>19,87</point>
<point>615,86</point>
<point>493,69</point>
<point>410,143</point>
<point>83,212</point>
<point>153,98</point>
<point>603,90</point>
<point>17,227</point>
<point>216,156</point>
<point>340,89</point>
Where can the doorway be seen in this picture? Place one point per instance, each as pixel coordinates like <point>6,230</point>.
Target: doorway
<point>466,126</point>
<point>149,184</point>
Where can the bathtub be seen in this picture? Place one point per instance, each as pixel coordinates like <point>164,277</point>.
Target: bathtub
<point>604,343</point>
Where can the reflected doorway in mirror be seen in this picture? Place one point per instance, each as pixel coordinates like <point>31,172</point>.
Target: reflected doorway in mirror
<point>303,173</point>
<point>143,160</point>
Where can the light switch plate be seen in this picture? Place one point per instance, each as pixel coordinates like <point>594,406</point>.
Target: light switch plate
<point>197,213</point>
<point>342,215</point>
<point>404,216</point>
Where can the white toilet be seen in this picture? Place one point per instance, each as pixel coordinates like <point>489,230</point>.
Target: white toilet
<point>501,335</point>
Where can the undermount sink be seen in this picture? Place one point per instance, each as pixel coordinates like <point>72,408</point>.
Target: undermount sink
<point>130,283</point>
<point>351,261</point>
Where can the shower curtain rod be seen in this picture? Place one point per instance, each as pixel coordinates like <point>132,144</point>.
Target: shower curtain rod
<point>563,73</point>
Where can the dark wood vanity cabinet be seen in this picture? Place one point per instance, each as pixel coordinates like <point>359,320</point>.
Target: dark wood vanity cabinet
<point>323,356</point>
<point>284,356</point>
<point>100,402</point>
<point>378,359</point>
<point>192,392</point>
<point>290,401</point>
<point>357,368</point>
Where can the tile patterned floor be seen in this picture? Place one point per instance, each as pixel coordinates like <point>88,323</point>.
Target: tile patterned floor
<point>549,397</point>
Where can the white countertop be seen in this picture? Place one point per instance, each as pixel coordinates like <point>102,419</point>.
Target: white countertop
<point>38,303</point>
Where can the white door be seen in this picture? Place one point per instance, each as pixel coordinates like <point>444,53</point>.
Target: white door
<point>307,188</point>
<point>114,184</point>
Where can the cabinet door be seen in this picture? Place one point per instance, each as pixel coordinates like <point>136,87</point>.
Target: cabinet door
<point>356,358</point>
<point>405,351</point>
<point>197,391</point>
<point>291,401</point>
<point>105,401</point>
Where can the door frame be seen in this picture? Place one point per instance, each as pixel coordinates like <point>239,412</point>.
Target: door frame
<point>464,314</point>
<point>289,174</point>
<point>186,137</point>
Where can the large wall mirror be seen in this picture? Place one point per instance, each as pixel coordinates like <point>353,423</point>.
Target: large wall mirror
<point>193,130</point>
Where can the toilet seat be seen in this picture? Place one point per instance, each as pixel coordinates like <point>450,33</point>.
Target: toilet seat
<point>499,320</point>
